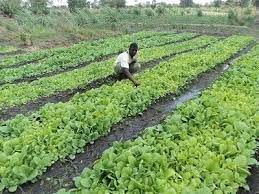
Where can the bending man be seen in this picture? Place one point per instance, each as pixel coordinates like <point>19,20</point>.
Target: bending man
<point>126,64</point>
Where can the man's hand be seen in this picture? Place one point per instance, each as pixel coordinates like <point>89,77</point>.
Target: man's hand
<point>136,83</point>
<point>130,77</point>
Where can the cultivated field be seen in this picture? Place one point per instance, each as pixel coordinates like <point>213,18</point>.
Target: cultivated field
<point>69,125</point>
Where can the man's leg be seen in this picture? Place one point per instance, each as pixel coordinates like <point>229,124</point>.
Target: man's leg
<point>134,67</point>
<point>118,72</point>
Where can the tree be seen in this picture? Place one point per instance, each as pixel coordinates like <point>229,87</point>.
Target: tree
<point>39,6</point>
<point>153,4</point>
<point>113,3</point>
<point>186,3</point>
<point>77,4</point>
<point>217,3</point>
<point>10,7</point>
<point>245,3</point>
<point>94,4</point>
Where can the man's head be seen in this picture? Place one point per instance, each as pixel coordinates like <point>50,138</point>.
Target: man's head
<point>133,49</point>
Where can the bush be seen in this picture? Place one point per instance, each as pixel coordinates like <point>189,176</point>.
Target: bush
<point>217,3</point>
<point>182,13</point>
<point>39,6</point>
<point>73,5</point>
<point>26,39</point>
<point>160,10</point>
<point>149,12</point>
<point>136,11</point>
<point>10,7</point>
<point>83,17</point>
<point>248,11</point>
<point>110,15</point>
<point>80,17</point>
<point>232,15</point>
<point>199,13</point>
<point>248,20</point>
<point>241,20</point>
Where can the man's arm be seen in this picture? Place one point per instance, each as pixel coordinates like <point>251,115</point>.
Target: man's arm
<point>129,76</point>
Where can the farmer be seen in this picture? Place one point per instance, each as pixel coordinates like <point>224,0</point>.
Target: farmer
<point>126,64</point>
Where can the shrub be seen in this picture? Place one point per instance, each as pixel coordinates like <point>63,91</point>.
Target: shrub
<point>199,13</point>
<point>73,5</point>
<point>110,15</point>
<point>149,12</point>
<point>217,3</point>
<point>80,17</point>
<point>248,11</point>
<point>10,7</point>
<point>232,16</point>
<point>136,11</point>
<point>39,6</point>
<point>26,39</point>
<point>113,3</point>
<point>248,20</point>
<point>160,10</point>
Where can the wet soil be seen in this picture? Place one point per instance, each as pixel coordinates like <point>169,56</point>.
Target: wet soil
<point>61,173</point>
<point>64,96</point>
<point>78,65</point>
<point>253,179</point>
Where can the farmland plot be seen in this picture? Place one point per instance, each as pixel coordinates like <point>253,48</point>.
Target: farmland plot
<point>204,147</point>
<point>19,60</point>
<point>73,58</point>
<point>31,143</point>
<point>17,94</point>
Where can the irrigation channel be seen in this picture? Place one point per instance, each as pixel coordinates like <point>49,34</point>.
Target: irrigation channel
<point>60,175</point>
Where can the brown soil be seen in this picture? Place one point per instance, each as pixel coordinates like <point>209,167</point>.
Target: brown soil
<point>253,179</point>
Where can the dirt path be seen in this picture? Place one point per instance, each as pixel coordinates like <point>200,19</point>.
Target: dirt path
<point>61,173</point>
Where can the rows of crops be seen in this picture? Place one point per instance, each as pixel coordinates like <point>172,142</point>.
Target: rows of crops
<point>97,44</point>
<point>204,147</point>
<point>16,94</point>
<point>73,57</point>
<point>29,144</point>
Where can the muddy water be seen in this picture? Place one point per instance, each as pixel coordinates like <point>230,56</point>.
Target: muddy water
<point>203,82</point>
